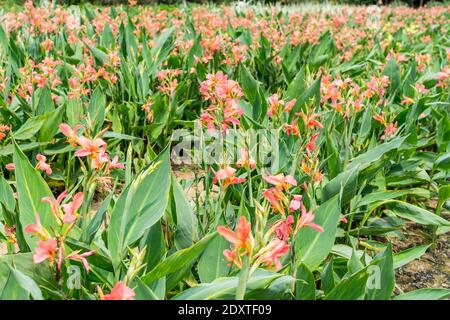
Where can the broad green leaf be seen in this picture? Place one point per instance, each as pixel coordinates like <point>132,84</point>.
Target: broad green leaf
<point>212,263</point>
<point>139,207</point>
<point>425,294</point>
<point>374,154</point>
<point>351,288</point>
<point>305,286</point>
<point>443,162</point>
<point>311,246</point>
<point>28,284</point>
<point>29,128</point>
<point>381,281</point>
<point>31,188</point>
<point>416,214</point>
<point>393,72</point>
<point>327,278</point>
<point>96,110</point>
<point>225,288</point>
<point>6,195</point>
<point>51,126</point>
<point>45,104</point>
<point>177,260</point>
<point>143,292</point>
<point>186,231</point>
<point>346,183</point>
<point>408,255</point>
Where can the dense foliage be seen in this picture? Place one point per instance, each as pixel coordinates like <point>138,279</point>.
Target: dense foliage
<point>213,153</point>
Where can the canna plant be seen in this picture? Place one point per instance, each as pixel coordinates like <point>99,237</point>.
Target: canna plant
<point>315,140</point>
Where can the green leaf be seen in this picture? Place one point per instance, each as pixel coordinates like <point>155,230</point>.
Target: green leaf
<point>327,279</point>
<point>139,207</point>
<point>425,294</point>
<point>28,284</point>
<point>345,183</point>
<point>186,231</point>
<point>12,290</point>
<point>29,128</point>
<point>351,288</point>
<point>305,287</point>
<point>313,247</point>
<point>225,288</point>
<point>408,255</point>
<point>393,72</point>
<point>96,110</point>
<point>248,83</point>
<point>51,125</point>
<point>374,154</point>
<point>364,129</point>
<point>31,188</point>
<point>45,104</point>
<point>177,260</point>
<point>381,281</point>
<point>7,195</point>
<point>416,214</point>
<point>443,162</point>
<point>212,263</point>
<point>143,292</point>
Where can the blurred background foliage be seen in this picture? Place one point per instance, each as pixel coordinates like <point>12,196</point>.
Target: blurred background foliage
<point>413,3</point>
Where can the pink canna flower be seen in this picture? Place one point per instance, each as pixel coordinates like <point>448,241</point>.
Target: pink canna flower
<point>295,203</point>
<point>99,159</point>
<point>89,147</point>
<point>37,229</point>
<point>271,254</point>
<point>233,257</point>
<point>10,167</point>
<point>76,256</point>
<point>245,161</point>
<point>310,121</point>
<point>280,181</point>
<point>274,104</point>
<point>227,175</point>
<point>41,165</point>
<point>45,251</point>
<point>276,199</point>
<point>292,128</point>
<point>70,209</point>
<point>241,239</point>
<point>310,147</point>
<point>120,292</point>
<point>70,133</point>
<point>114,164</point>
<point>288,107</point>
<point>284,228</point>
<point>390,129</point>
<point>307,220</point>
<point>55,203</point>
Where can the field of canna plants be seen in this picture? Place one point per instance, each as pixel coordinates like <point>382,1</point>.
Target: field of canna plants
<point>233,152</point>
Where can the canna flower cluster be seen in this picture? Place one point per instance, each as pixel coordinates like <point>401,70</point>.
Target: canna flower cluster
<point>222,95</point>
<point>51,245</point>
<point>390,128</point>
<point>3,129</point>
<point>168,80</point>
<point>95,150</point>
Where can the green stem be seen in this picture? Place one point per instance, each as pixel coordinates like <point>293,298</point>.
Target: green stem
<point>243,278</point>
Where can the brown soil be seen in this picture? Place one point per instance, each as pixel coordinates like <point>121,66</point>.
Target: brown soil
<point>431,270</point>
